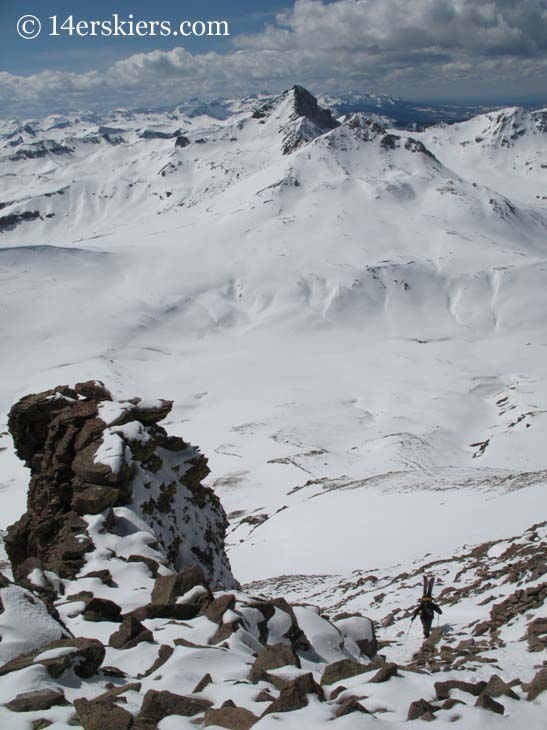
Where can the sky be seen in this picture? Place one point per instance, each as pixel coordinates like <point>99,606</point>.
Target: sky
<point>493,51</point>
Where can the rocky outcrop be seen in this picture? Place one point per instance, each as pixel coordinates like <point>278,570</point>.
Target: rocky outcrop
<point>88,454</point>
<point>122,543</point>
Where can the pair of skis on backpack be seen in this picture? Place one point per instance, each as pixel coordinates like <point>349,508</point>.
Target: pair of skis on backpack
<point>429,583</point>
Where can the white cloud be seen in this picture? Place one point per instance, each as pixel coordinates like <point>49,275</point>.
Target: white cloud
<point>412,47</point>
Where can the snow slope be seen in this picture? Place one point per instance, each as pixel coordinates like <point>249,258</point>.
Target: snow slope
<point>351,321</point>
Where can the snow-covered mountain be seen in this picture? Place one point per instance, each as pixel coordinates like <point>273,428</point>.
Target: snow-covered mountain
<point>349,317</point>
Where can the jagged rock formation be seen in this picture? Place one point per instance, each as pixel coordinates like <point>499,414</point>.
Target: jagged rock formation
<point>88,454</point>
<point>300,116</point>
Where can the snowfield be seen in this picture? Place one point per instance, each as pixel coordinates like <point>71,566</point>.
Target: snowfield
<point>350,320</point>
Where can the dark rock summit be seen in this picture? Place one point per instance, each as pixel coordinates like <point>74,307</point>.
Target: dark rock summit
<point>300,116</point>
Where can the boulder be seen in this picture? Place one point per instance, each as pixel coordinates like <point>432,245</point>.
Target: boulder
<point>294,695</point>
<point>442,689</point>
<point>40,699</point>
<point>164,654</point>
<point>336,692</point>
<point>41,724</point>
<point>224,632</point>
<point>217,608</point>
<point>205,681</point>
<point>349,705</point>
<point>93,389</point>
<point>130,633</point>
<point>101,609</point>
<point>537,685</point>
<point>83,656</point>
<point>98,715</point>
<point>272,657</point>
<point>487,703</point>
<point>264,696</point>
<point>342,669</point>
<point>233,718</point>
<point>168,588</point>
<point>159,704</point>
<point>496,687</point>
<point>151,564</point>
<point>104,575</point>
<point>385,673</point>
<point>418,709</point>
<point>182,611</point>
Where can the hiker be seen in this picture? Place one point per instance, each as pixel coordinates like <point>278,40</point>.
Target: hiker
<point>426,607</point>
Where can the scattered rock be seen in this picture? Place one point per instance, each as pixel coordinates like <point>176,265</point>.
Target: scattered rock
<point>272,657</point>
<point>152,565</point>
<point>130,633</point>
<point>537,685</point>
<point>496,687</point>
<point>217,608</point>
<point>442,689</point>
<point>418,709</point>
<point>40,699</point>
<point>224,632</point>
<point>164,654</point>
<point>233,718</point>
<point>349,705</point>
<point>337,691</point>
<point>84,656</point>
<point>159,704</point>
<point>203,682</point>
<point>264,696</point>
<point>105,576</point>
<point>168,588</point>
<point>102,609</point>
<point>294,695</point>
<point>41,724</point>
<point>98,715</point>
<point>342,669</point>
<point>385,673</point>
<point>486,702</point>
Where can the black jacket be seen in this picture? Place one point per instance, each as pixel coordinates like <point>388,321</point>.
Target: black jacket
<point>425,608</point>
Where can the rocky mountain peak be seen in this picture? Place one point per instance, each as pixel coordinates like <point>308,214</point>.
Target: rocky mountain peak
<point>299,116</point>
<point>305,105</point>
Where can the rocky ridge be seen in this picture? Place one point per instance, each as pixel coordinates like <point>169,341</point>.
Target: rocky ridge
<point>123,610</point>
